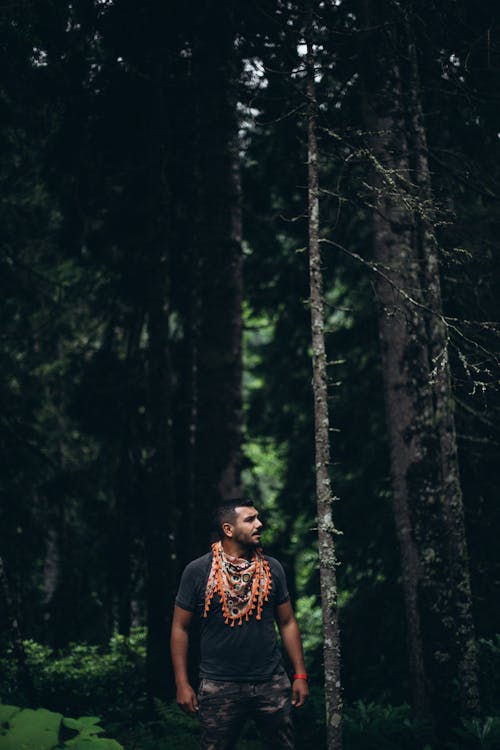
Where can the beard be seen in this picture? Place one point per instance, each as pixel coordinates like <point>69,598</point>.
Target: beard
<point>250,541</point>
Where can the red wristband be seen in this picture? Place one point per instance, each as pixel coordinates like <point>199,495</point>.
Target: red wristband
<point>300,677</point>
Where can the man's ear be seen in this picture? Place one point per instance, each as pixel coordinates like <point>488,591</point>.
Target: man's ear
<point>227,528</point>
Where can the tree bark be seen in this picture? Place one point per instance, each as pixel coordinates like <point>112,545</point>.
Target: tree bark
<point>125,486</point>
<point>159,500</point>
<point>17,640</point>
<point>424,466</point>
<point>219,361</point>
<point>404,373</point>
<point>324,495</point>
<point>404,359</point>
<point>161,524</point>
<point>451,491</point>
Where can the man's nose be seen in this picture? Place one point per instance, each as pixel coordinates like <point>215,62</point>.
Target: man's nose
<point>259,523</point>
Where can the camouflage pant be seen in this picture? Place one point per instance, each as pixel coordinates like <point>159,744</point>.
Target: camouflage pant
<point>225,706</point>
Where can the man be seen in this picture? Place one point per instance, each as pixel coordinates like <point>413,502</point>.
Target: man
<point>238,594</point>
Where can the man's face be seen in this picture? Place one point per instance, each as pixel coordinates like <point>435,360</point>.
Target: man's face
<point>246,527</point>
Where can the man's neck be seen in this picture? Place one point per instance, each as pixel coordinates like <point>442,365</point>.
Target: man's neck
<point>234,549</point>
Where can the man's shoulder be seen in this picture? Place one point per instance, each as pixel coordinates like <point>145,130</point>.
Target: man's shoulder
<point>194,576</point>
<point>273,563</point>
<point>199,564</point>
<point>279,577</point>
<point>272,560</point>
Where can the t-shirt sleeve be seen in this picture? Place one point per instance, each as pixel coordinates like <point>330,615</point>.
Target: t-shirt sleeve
<point>279,580</point>
<point>188,588</point>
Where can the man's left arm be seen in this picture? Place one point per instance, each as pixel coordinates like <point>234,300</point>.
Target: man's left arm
<point>292,642</point>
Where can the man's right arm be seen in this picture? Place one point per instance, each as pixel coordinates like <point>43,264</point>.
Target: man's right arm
<point>179,644</point>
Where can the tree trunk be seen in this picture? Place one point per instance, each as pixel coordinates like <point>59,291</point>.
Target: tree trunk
<point>159,500</point>
<point>219,364</point>
<point>451,492</point>
<point>26,679</point>
<point>324,495</point>
<point>425,478</point>
<point>402,338</point>
<point>161,523</point>
<point>126,484</point>
<point>408,407</point>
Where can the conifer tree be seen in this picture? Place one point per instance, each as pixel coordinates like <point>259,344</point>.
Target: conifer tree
<point>426,487</point>
<point>324,493</point>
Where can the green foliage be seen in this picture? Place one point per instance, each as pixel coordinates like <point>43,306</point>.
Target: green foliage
<point>309,617</point>
<point>40,729</point>
<point>489,670</point>
<point>371,726</point>
<point>477,734</point>
<point>83,678</point>
<point>175,730</point>
<point>367,726</point>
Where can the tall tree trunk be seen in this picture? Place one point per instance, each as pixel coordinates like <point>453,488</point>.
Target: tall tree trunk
<point>407,403</point>
<point>186,298</point>
<point>324,495</point>
<point>26,678</point>
<point>219,365</point>
<point>161,523</point>
<point>402,339</point>
<point>451,491</point>
<point>61,553</point>
<point>160,501</point>
<point>126,483</point>
<point>426,488</point>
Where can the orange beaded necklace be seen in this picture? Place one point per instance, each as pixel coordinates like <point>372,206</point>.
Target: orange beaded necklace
<point>243,585</point>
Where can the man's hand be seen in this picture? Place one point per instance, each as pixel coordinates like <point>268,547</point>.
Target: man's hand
<point>186,699</point>
<point>300,691</point>
<point>179,642</point>
<point>291,640</point>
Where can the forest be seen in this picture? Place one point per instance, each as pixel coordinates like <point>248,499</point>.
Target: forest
<point>250,250</point>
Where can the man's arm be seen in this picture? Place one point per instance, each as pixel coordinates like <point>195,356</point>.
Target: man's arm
<point>179,644</point>
<point>290,636</point>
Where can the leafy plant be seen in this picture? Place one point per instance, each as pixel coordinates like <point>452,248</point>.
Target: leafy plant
<point>40,729</point>
<point>371,726</point>
<point>477,734</point>
<point>172,729</point>
<point>82,678</point>
<point>489,670</point>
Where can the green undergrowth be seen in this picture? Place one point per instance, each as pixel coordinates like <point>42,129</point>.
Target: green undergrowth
<point>40,729</point>
<point>109,682</point>
<point>377,727</point>
<point>366,727</point>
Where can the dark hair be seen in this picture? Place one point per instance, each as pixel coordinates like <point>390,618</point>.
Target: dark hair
<point>226,513</point>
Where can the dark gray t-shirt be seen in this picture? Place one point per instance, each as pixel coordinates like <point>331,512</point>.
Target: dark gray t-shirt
<point>244,653</point>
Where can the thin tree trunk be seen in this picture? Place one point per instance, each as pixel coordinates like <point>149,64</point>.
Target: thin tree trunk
<point>126,486</point>
<point>161,524</point>
<point>191,421</point>
<point>160,501</point>
<point>185,202</point>
<point>324,495</point>
<point>26,679</point>
<point>51,565</point>
<point>64,567</point>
